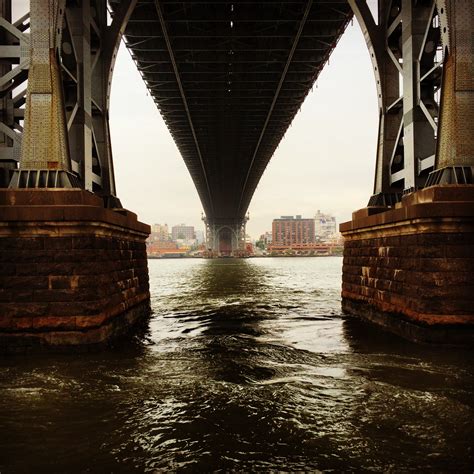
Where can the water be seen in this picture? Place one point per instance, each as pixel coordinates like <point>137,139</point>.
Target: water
<point>245,365</point>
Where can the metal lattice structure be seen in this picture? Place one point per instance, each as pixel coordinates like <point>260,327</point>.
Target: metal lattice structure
<point>14,64</point>
<point>411,48</point>
<point>404,42</point>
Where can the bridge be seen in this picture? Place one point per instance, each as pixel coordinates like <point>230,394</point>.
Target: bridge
<point>228,78</point>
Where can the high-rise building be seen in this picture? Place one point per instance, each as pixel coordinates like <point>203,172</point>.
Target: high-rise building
<point>289,230</point>
<point>325,227</point>
<point>183,232</point>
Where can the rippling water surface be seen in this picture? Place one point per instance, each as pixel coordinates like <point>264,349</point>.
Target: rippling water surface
<point>245,365</point>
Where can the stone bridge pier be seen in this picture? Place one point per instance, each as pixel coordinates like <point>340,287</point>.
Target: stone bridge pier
<point>73,267</point>
<point>409,256</point>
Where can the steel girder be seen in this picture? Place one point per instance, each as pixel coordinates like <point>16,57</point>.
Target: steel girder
<point>455,151</point>
<point>228,78</point>
<point>88,56</point>
<point>44,160</point>
<point>422,54</point>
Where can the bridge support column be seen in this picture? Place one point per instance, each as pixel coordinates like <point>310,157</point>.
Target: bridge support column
<point>455,154</point>
<point>72,273</point>
<point>411,269</point>
<point>45,158</point>
<point>73,268</point>
<point>225,238</point>
<point>409,265</point>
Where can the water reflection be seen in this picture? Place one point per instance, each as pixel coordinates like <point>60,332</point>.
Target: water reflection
<point>245,365</point>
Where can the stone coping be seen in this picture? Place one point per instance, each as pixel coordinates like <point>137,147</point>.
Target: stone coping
<point>61,205</point>
<point>428,203</point>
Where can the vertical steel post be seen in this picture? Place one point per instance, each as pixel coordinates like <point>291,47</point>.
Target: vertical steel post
<point>386,73</point>
<point>44,143</point>
<point>455,151</point>
<point>418,138</point>
<point>89,60</point>
<point>7,135</point>
<point>80,132</point>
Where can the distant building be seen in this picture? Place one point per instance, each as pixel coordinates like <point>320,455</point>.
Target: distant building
<point>266,238</point>
<point>325,227</point>
<point>289,230</point>
<point>183,232</point>
<point>159,233</point>
<point>159,247</point>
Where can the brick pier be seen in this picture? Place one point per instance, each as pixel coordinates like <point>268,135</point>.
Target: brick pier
<point>411,269</point>
<point>72,273</point>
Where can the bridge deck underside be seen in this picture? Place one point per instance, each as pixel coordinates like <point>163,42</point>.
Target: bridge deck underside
<point>228,78</point>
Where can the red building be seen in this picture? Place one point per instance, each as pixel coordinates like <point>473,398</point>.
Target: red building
<point>288,231</point>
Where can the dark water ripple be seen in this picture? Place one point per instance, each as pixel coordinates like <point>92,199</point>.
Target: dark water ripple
<point>244,366</point>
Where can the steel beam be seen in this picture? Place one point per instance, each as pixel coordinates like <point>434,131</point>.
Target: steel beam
<point>207,198</point>
<point>455,151</point>
<point>78,24</point>
<point>296,40</point>
<point>89,53</point>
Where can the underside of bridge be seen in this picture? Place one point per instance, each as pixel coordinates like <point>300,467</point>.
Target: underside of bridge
<point>228,78</point>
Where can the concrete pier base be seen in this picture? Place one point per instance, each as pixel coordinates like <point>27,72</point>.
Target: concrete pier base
<point>411,269</point>
<point>72,273</point>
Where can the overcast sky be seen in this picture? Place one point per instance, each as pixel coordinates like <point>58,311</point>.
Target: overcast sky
<point>326,160</point>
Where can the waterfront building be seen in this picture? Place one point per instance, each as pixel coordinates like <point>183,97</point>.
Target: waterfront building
<point>160,247</point>
<point>325,227</point>
<point>159,232</point>
<point>183,232</point>
<point>289,230</point>
<point>266,238</point>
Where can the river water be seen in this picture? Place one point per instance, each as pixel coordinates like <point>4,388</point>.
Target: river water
<point>245,365</point>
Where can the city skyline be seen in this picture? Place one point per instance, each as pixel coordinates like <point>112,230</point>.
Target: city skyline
<point>320,229</point>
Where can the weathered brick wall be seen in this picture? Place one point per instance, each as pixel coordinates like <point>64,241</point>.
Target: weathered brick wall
<point>410,269</point>
<point>69,283</point>
<point>428,277</point>
<point>71,271</point>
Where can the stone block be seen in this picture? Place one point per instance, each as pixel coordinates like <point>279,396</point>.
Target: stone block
<point>58,243</point>
<point>421,266</point>
<point>69,281</point>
